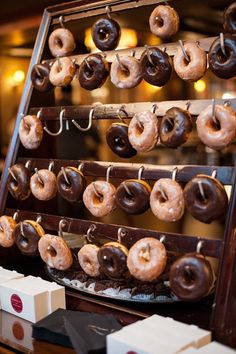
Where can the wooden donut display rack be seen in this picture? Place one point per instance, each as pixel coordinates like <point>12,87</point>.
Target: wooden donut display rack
<point>221,316</point>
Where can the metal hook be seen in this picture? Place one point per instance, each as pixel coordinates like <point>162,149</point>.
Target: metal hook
<point>164,196</point>
<point>127,189</point>
<point>213,111</point>
<point>39,219</point>
<point>184,51</point>
<point>60,128</point>
<point>88,65</point>
<point>37,70</point>
<point>108,173</point>
<point>39,113</point>
<point>162,239</point>
<point>222,43</point>
<point>148,54</point>
<point>89,124</point>
<point>62,224</point>
<point>61,20</point>
<point>59,63</point>
<point>27,164</point>
<point>138,121</point>
<point>51,166</point>
<point>65,176</point>
<point>187,105</point>
<point>12,174</point>
<point>214,173</point>
<point>154,108</point>
<point>122,109</point>
<point>38,176</point>
<point>133,53</point>
<point>108,11</point>
<point>201,190</point>
<point>140,171</point>
<point>120,234</point>
<point>81,166</point>
<point>15,216</point>
<point>67,125</point>
<point>199,246</point>
<point>95,190</point>
<point>22,228</point>
<point>120,63</point>
<point>88,234</point>
<point>174,173</point>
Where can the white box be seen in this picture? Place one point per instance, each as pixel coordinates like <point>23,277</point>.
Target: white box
<point>56,293</point>
<point>21,299</point>
<point>17,330</point>
<point>212,348</point>
<point>9,274</point>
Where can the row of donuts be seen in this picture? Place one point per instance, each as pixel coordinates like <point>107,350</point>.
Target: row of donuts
<point>216,128</point>
<point>163,21</point>
<point>191,276</point>
<point>154,66</point>
<point>204,196</point>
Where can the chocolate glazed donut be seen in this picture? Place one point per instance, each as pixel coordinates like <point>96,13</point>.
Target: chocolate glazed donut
<point>156,70</point>
<point>112,258</point>
<point>93,72</point>
<point>106,34</point>
<point>118,140</point>
<point>73,190</point>
<point>222,65</point>
<point>230,19</point>
<point>40,78</point>
<point>175,127</point>
<point>133,196</point>
<point>212,204</point>
<point>19,188</point>
<point>27,237</point>
<point>191,277</point>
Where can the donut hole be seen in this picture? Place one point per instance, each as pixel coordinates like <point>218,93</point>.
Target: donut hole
<point>169,125</point>
<point>214,125</point>
<point>159,21</point>
<point>202,199</point>
<point>98,198</point>
<point>139,128</point>
<point>24,242</point>
<point>189,276</point>
<point>129,198</point>
<point>51,250</point>
<point>109,263</point>
<point>103,34</point>
<point>152,70</point>
<point>58,42</point>
<point>119,141</point>
<point>161,198</point>
<point>220,55</point>
<point>88,72</point>
<point>124,73</point>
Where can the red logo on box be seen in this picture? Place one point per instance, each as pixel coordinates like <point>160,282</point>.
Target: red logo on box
<point>16,303</point>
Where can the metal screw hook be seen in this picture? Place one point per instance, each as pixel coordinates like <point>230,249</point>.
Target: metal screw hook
<point>222,44</point>
<point>39,113</point>
<point>89,123</point>
<point>89,235</point>
<point>199,246</point>
<point>174,173</point>
<point>51,166</point>
<point>12,174</point>
<point>127,189</point>
<point>108,11</point>
<point>213,111</point>
<point>28,164</point>
<point>60,128</point>
<point>61,20</point>
<point>108,173</point>
<point>148,54</point>
<point>201,190</point>
<point>120,234</point>
<point>140,171</point>
<point>15,216</point>
<point>39,219</point>
<point>99,195</point>
<point>120,63</point>
<point>65,175</point>
<point>184,51</point>
<point>22,228</point>
<point>62,224</point>
<point>88,65</point>
<point>214,173</point>
<point>119,110</point>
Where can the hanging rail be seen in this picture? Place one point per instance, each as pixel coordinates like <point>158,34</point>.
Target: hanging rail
<point>126,170</point>
<point>173,242</point>
<point>111,111</point>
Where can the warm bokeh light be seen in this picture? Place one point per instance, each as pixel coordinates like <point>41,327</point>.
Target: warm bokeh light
<point>151,88</point>
<point>18,77</point>
<point>200,86</point>
<point>128,39</point>
<point>227,95</point>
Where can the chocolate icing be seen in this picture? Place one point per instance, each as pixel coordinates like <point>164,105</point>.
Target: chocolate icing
<point>191,277</point>
<point>223,66</point>
<point>92,79</point>
<point>215,205</point>
<point>177,133</point>
<point>136,203</point>
<point>19,189</point>
<point>112,261</point>
<point>118,141</point>
<point>41,82</point>
<point>230,19</point>
<point>159,73</point>
<point>27,243</point>
<point>106,34</point>
<point>72,192</point>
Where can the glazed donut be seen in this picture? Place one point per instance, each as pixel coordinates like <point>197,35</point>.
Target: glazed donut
<point>112,258</point>
<point>214,204</point>
<point>229,19</point>
<point>40,78</point>
<point>143,131</point>
<point>62,72</point>
<point>175,127</point>
<point>156,71</point>
<point>191,277</point>
<point>55,252</point>
<point>43,185</point>
<point>167,200</point>
<point>103,204</point>
<point>223,66</point>
<point>197,65</point>
<point>7,226</point>
<point>133,196</point>
<point>147,259</point>
<point>31,132</point>
<point>19,188</point>
<point>93,72</point>
<point>61,42</point>
<point>74,190</point>
<point>164,21</point>
<point>118,141</point>
<point>88,260</point>
<point>27,237</point>
<point>220,134</point>
<point>106,34</point>
<point>128,75</point>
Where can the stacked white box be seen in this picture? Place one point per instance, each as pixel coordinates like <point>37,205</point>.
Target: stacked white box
<point>211,348</point>
<point>6,275</point>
